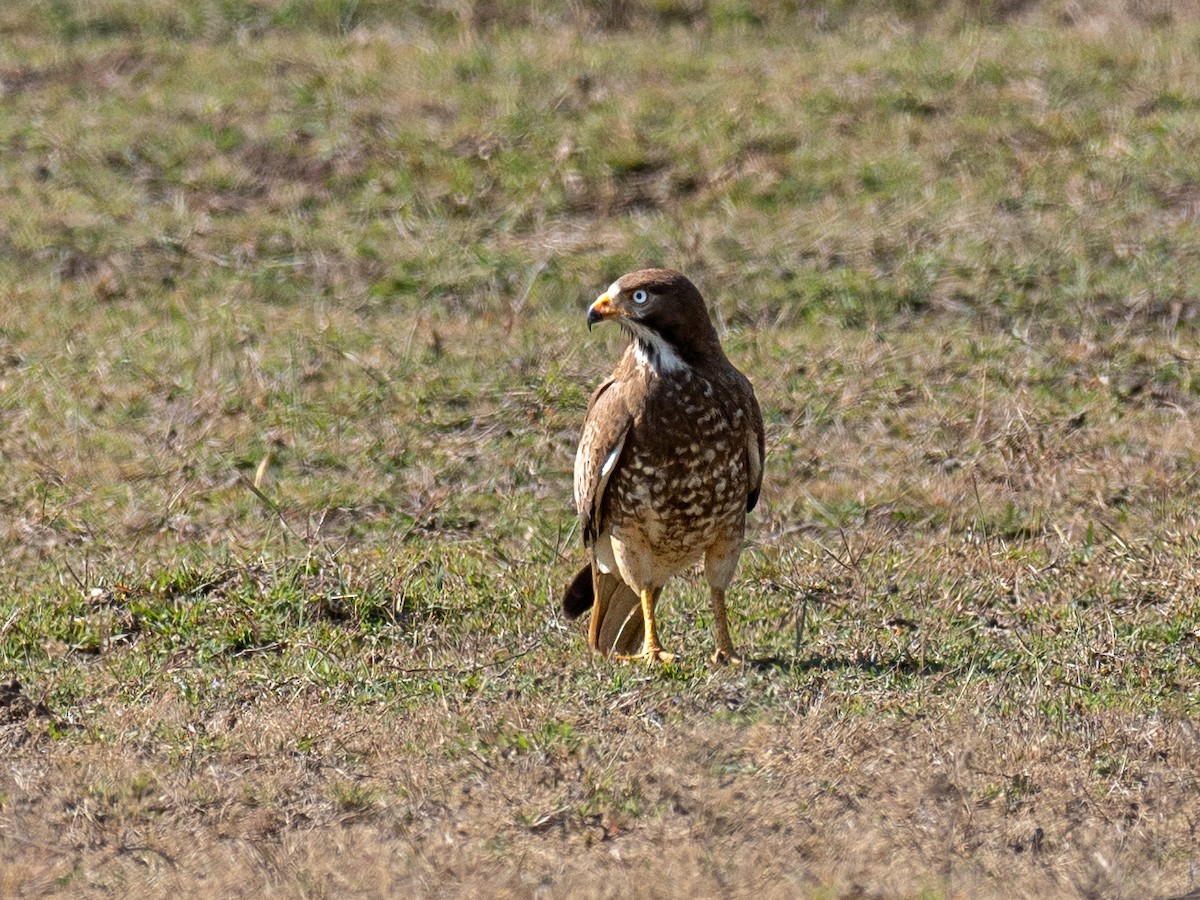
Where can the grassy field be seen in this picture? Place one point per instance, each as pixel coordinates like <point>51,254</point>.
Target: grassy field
<point>293,362</point>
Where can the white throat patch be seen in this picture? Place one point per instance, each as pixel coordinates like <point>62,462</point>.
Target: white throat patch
<point>650,350</point>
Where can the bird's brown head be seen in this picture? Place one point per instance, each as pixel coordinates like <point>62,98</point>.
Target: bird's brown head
<point>663,312</point>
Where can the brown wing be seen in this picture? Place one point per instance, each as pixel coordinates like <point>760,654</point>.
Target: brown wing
<point>739,393</point>
<point>604,430</point>
<point>756,444</point>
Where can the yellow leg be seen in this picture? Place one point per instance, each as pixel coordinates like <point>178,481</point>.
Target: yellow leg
<point>652,651</point>
<point>725,652</point>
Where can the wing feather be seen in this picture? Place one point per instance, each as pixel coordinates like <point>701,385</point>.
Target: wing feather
<point>605,428</point>
<point>756,452</point>
<point>756,443</point>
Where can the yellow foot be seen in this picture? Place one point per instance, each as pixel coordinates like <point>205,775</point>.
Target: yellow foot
<point>726,657</point>
<point>651,655</point>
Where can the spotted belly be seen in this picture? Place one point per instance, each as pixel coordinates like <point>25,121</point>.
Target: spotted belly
<point>678,505</point>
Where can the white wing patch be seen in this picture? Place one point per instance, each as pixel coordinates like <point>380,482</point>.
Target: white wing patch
<point>606,470</point>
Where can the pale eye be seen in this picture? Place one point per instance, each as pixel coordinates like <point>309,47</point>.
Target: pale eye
<point>640,296</point>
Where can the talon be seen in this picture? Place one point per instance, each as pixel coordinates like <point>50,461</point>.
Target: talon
<point>651,652</point>
<point>726,657</point>
<point>654,655</point>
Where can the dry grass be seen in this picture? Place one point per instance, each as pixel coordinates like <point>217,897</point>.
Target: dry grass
<point>292,365</point>
<point>452,801</point>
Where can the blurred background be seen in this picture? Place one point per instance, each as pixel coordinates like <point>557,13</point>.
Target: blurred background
<point>292,366</point>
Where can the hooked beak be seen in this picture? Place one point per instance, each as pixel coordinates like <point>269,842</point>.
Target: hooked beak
<point>603,308</point>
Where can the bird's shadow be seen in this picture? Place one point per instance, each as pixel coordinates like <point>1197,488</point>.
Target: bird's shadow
<point>906,665</point>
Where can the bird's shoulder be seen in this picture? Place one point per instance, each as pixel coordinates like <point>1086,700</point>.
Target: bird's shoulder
<point>620,391</point>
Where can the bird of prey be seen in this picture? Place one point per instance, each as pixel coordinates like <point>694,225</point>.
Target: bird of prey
<point>669,462</point>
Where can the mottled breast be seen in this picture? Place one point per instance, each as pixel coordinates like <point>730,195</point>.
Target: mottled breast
<point>683,478</point>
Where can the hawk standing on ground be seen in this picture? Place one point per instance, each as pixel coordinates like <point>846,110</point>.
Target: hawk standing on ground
<point>669,463</point>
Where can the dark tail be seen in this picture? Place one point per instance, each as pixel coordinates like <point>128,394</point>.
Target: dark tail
<point>579,596</point>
